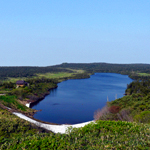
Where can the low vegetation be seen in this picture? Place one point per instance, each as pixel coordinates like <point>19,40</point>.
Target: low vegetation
<point>134,107</point>
<point>12,127</point>
<point>11,102</point>
<point>19,134</point>
<point>144,74</point>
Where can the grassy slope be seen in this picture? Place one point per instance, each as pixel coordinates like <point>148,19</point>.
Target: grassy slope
<point>12,128</point>
<point>144,74</point>
<point>137,105</point>
<point>10,101</point>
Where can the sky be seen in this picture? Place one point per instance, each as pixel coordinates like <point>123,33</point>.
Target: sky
<point>50,32</point>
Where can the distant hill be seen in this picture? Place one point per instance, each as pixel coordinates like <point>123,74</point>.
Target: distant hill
<point>29,71</point>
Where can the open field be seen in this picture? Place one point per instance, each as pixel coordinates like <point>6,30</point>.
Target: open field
<point>49,75</point>
<point>144,74</point>
<point>60,74</point>
<point>55,75</point>
<point>13,80</point>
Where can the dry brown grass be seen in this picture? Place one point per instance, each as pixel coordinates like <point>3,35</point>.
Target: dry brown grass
<point>124,115</point>
<point>101,113</point>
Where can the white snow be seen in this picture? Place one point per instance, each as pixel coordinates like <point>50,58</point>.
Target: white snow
<point>28,104</point>
<point>54,128</point>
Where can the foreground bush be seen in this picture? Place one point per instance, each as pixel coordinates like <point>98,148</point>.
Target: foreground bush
<point>143,117</point>
<point>102,135</point>
<point>11,125</point>
<point>101,113</point>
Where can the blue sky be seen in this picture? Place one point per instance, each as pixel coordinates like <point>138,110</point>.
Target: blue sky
<point>49,32</point>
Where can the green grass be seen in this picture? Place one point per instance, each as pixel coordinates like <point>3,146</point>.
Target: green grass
<point>10,101</point>
<point>76,71</point>
<point>13,80</point>
<point>47,75</point>
<point>55,75</point>
<point>60,74</point>
<point>144,74</point>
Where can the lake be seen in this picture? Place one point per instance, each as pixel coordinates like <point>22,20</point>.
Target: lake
<point>75,101</point>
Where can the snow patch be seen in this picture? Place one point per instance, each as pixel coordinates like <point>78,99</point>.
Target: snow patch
<point>54,128</point>
<point>28,105</point>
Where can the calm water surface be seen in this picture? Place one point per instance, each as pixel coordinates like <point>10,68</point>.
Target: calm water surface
<point>75,101</point>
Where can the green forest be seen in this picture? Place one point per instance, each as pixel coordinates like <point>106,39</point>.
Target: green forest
<point>122,124</point>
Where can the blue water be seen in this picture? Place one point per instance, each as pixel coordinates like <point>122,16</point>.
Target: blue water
<point>75,101</point>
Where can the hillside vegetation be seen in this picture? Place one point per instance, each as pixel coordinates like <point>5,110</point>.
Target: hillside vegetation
<point>16,133</point>
<point>135,106</point>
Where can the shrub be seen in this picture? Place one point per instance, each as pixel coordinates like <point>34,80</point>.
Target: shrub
<point>101,113</point>
<point>125,115</point>
<point>114,109</point>
<point>143,117</point>
<point>102,135</point>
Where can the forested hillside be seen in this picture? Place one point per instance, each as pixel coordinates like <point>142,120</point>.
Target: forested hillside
<point>107,67</point>
<point>129,69</point>
<point>27,71</point>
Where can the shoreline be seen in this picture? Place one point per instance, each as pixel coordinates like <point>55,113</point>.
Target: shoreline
<point>32,102</point>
